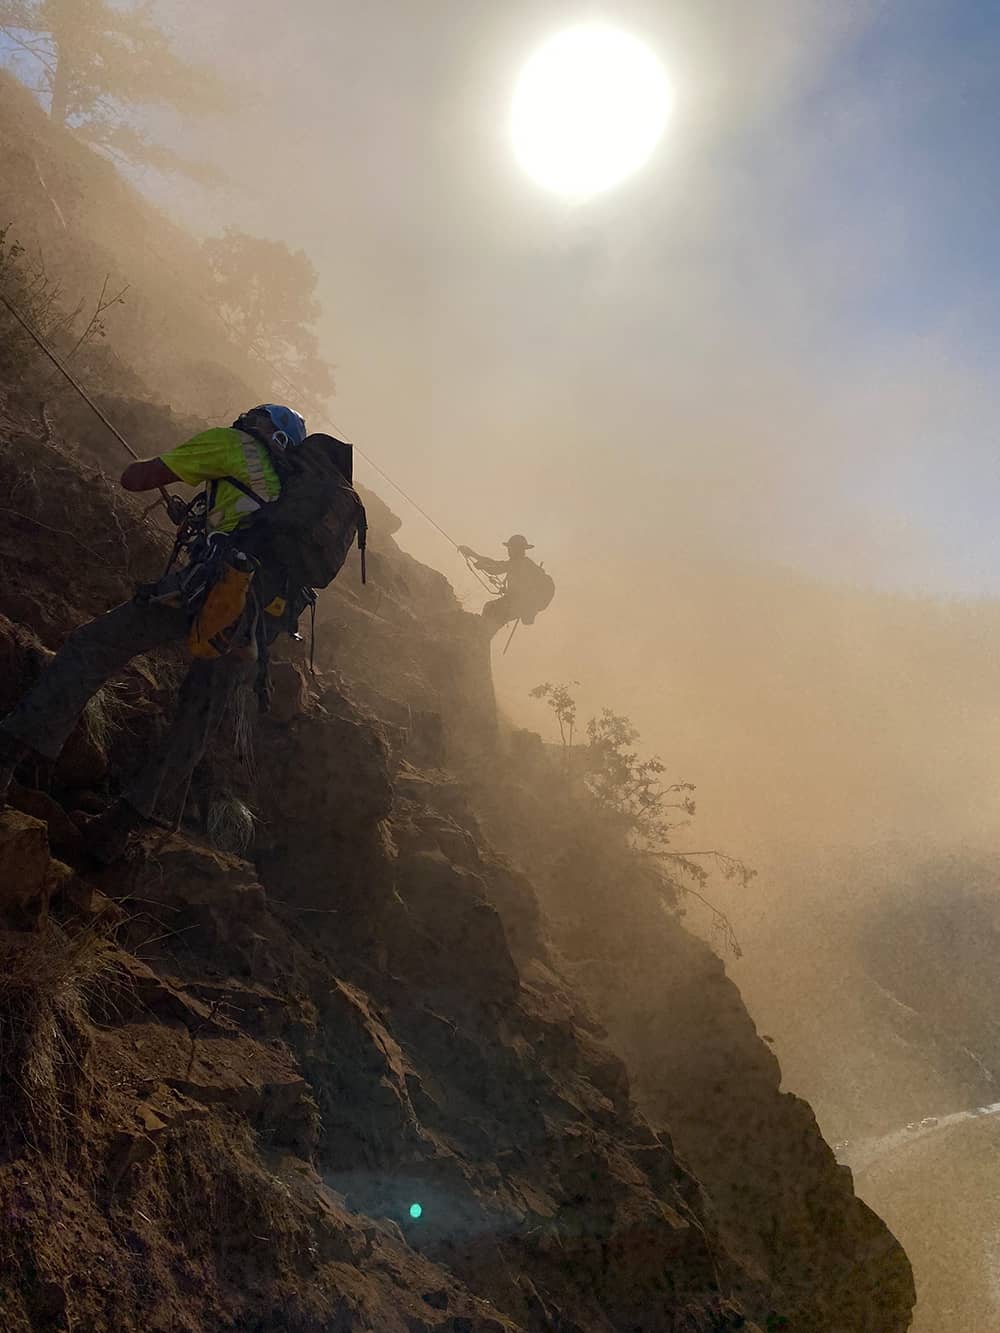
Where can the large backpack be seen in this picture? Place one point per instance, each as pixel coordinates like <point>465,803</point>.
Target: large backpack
<point>310,528</point>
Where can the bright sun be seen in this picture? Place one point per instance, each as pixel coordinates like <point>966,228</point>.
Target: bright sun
<point>589,108</point>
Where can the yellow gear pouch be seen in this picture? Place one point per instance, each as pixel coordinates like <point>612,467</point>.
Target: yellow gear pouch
<point>221,613</point>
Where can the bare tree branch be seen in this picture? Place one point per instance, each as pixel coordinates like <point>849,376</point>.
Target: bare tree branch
<point>95,326</point>
<point>38,50</point>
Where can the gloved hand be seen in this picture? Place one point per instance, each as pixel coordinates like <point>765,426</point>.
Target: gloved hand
<point>176,509</point>
<point>467,551</point>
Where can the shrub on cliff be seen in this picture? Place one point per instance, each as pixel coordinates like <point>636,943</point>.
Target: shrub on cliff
<point>619,805</point>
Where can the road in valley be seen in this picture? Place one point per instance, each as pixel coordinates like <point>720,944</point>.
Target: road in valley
<point>938,1188</point>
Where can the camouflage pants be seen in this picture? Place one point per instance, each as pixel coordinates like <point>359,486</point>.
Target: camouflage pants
<point>43,720</point>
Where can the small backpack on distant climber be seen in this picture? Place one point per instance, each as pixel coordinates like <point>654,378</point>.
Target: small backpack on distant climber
<point>310,528</point>
<point>537,592</point>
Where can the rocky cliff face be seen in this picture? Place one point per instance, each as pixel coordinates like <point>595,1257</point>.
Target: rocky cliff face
<point>786,1212</point>
<point>348,1081</point>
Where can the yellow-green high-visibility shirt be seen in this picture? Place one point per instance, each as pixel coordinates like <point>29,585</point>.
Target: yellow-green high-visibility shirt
<point>226,452</point>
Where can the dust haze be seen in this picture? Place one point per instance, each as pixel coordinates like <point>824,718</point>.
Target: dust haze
<point>746,421</point>
<point>766,502</point>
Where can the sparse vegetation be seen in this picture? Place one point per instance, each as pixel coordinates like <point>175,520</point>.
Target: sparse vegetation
<point>563,705</point>
<point>49,980</point>
<point>104,714</point>
<point>69,328</point>
<point>230,824</point>
<point>621,799</point>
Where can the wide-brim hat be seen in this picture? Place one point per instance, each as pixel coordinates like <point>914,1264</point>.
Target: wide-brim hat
<point>519,540</point>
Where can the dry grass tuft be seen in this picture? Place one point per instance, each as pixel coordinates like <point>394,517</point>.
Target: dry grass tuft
<point>231,824</point>
<point>104,715</point>
<point>49,980</point>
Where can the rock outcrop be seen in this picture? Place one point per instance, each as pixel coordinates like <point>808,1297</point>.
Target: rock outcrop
<point>345,1082</point>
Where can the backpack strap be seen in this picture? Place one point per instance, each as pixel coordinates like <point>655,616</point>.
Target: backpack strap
<point>240,486</point>
<point>254,467</point>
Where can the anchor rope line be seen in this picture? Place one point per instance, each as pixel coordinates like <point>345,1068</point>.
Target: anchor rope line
<point>37,338</point>
<point>43,346</point>
<point>327,420</point>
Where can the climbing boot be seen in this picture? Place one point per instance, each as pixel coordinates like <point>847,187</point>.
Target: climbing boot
<point>106,835</point>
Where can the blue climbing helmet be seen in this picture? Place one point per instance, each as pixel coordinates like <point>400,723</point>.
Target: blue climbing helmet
<point>289,427</point>
<point>290,423</point>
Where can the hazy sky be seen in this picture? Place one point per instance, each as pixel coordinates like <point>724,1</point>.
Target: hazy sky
<point>778,338</point>
<point>774,344</point>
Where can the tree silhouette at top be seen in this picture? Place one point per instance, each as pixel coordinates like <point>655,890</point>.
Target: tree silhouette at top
<point>266,295</point>
<point>95,62</point>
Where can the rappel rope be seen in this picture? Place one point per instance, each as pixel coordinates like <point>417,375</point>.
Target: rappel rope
<point>477,575</point>
<point>491,588</point>
<point>44,347</point>
<point>490,582</point>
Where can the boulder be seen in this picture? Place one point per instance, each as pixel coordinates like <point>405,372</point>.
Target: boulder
<point>26,868</point>
<point>64,835</point>
<point>448,936</point>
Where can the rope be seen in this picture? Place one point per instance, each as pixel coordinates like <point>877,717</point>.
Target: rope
<point>44,347</point>
<point>37,338</point>
<point>493,586</point>
<point>329,422</point>
<point>385,476</point>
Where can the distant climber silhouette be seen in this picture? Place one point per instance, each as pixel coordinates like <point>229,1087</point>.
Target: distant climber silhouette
<point>524,586</point>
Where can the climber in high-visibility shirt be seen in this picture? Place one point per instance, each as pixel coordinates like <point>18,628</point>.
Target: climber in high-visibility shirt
<point>43,719</point>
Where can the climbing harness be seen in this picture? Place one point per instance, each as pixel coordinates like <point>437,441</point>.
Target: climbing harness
<point>493,583</point>
<point>302,537</point>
